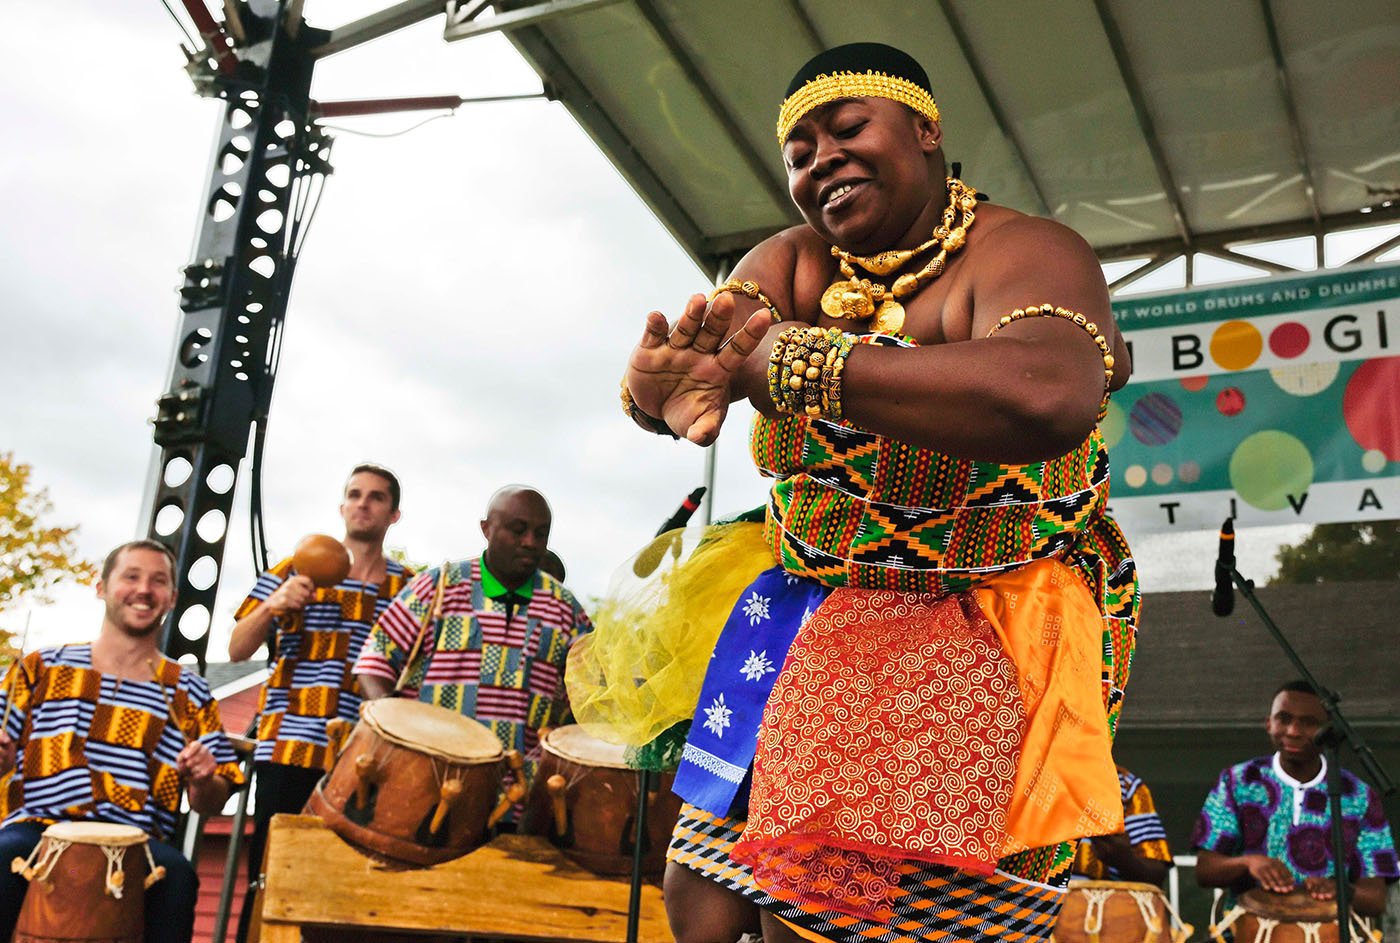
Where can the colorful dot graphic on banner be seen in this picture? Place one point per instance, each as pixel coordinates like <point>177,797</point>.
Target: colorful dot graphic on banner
<point>1230,401</point>
<point>1374,461</point>
<point>1289,339</point>
<point>1162,474</point>
<point>1155,419</point>
<point>1305,379</point>
<point>1235,345</point>
<point>1368,406</point>
<point>1189,473</point>
<point>1135,476</point>
<point>1113,425</point>
<point>1268,468</point>
<point>1194,384</point>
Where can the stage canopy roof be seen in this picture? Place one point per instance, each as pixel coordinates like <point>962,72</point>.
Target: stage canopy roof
<point>1148,127</point>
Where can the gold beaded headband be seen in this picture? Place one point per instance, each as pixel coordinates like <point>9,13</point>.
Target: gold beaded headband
<point>828,88</point>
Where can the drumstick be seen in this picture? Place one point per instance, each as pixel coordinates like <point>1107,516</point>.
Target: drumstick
<point>434,612</point>
<point>19,663</point>
<point>165,696</point>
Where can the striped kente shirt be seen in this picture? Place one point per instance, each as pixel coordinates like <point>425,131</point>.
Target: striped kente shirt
<point>311,700</point>
<point>99,748</point>
<point>498,660</point>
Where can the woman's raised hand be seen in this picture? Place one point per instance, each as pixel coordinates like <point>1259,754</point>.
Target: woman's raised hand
<point>685,374</point>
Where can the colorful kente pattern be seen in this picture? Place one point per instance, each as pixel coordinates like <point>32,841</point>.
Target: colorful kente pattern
<point>95,747</point>
<point>502,667</point>
<point>311,700</point>
<point>854,508</point>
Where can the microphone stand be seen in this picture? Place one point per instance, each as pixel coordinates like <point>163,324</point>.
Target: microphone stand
<point>1330,738</point>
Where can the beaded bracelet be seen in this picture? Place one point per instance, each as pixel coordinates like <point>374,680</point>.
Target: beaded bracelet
<point>1090,328</point>
<point>643,420</point>
<point>805,369</point>
<point>748,289</point>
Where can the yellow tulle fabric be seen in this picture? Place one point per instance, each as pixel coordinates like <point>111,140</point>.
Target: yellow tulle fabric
<point>639,671</point>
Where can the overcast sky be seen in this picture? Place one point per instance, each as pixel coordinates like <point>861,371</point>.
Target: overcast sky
<point>461,313</point>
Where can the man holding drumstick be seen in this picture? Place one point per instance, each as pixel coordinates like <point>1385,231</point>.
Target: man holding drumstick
<point>110,731</point>
<point>311,701</point>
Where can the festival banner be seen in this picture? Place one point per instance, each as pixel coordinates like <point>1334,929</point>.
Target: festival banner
<point>1276,401</point>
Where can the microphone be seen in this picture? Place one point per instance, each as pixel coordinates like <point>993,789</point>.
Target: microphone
<point>688,507</point>
<point>1222,601</point>
<point>651,556</point>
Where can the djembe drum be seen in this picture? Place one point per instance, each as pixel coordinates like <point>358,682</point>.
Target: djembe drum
<point>1117,912</point>
<point>87,881</point>
<point>584,798</point>
<point>415,783</point>
<point>1260,916</point>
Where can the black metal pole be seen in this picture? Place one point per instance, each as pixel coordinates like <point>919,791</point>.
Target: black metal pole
<point>1329,738</point>
<point>639,844</point>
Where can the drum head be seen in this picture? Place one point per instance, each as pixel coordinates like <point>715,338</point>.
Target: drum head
<point>96,833</point>
<point>575,744</point>
<point>1294,907</point>
<point>1090,884</point>
<point>432,730</point>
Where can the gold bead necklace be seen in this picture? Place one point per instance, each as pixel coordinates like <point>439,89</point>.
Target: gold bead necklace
<point>857,299</point>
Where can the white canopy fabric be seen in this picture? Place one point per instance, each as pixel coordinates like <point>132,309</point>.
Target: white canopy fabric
<point>1147,127</point>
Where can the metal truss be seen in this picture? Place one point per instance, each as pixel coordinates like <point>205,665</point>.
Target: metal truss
<point>267,166</point>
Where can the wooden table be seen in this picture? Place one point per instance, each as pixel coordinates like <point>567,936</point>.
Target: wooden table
<point>517,886</point>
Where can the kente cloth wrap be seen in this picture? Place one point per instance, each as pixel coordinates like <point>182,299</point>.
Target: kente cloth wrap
<point>746,659</point>
<point>99,748</point>
<point>1018,903</point>
<point>311,700</point>
<point>502,667</point>
<point>1141,824</point>
<point>1258,809</point>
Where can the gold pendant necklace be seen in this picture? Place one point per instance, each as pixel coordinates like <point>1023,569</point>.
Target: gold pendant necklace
<point>857,299</point>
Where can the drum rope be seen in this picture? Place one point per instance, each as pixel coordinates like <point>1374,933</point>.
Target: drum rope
<point>1145,901</point>
<point>1217,930</point>
<point>157,871</point>
<point>116,877</point>
<point>1095,898</point>
<point>1265,933</point>
<point>41,860</point>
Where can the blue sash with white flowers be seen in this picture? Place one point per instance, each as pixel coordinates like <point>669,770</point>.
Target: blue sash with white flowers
<point>747,658</point>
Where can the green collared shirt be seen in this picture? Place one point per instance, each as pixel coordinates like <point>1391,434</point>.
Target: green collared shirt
<point>492,588</point>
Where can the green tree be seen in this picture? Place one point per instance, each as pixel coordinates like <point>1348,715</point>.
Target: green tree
<point>1335,553</point>
<point>34,557</point>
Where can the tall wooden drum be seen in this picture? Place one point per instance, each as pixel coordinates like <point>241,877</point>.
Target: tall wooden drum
<point>584,798</point>
<point>87,882</point>
<point>414,784</point>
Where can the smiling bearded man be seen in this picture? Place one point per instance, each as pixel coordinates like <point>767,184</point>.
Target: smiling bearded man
<point>947,625</point>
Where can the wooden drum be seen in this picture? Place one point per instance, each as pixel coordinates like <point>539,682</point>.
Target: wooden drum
<point>415,783</point>
<point>584,799</point>
<point>1264,917</point>
<point>1117,912</point>
<point>87,881</point>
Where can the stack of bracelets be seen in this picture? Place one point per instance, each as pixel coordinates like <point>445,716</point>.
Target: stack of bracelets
<point>804,371</point>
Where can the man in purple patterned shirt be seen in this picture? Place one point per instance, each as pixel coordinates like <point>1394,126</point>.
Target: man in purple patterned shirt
<point>1267,821</point>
